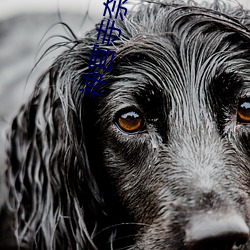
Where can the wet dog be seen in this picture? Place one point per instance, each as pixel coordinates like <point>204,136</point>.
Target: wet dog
<point>161,161</point>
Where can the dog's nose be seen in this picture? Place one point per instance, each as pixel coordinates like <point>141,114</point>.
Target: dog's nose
<point>217,232</point>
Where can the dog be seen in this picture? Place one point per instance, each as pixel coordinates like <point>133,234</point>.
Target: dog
<point>160,160</point>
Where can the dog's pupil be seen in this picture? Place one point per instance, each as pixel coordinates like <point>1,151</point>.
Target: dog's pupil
<point>244,111</point>
<point>245,105</point>
<point>130,121</point>
<point>130,115</point>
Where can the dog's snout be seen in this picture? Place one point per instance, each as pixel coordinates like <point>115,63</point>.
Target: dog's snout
<point>222,232</point>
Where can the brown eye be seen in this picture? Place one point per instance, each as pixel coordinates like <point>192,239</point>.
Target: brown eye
<point>243,113</point>
<point>130,121</point>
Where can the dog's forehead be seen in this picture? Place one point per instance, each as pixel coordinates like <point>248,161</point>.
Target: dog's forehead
<point>186,55</point>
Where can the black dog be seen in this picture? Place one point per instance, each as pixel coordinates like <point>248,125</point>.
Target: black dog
<point>161,162</point>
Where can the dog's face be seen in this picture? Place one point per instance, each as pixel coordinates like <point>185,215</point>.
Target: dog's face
<point>161,161</point>
<point>174,133</point>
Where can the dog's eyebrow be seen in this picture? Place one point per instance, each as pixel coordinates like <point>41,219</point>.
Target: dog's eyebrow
<point>227,82</point>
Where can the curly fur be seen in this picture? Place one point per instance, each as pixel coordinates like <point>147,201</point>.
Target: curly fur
<point>76,181</point>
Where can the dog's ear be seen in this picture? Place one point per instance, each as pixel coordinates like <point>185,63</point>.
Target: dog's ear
<point>51,186</point>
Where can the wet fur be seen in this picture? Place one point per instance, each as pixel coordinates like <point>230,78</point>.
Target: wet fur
<point>78,182</point>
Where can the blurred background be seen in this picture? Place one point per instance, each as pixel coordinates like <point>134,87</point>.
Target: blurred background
<point>27,28</point>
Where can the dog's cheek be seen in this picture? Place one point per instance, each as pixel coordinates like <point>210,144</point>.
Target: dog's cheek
<point>242,141</point>
<point>131,172</point>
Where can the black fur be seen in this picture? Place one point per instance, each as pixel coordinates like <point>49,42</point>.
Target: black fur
<point>77,181</point>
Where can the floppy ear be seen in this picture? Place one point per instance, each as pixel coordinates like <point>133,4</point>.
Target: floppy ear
<point>51,187</point>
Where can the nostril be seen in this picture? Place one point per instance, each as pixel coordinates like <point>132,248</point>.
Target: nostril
<point>241,241</point>
<point>217,232</point>
<point>223,242</point>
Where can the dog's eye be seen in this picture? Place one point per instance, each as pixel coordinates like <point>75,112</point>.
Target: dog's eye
<point>130,121</point>
<point>243,113</point>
